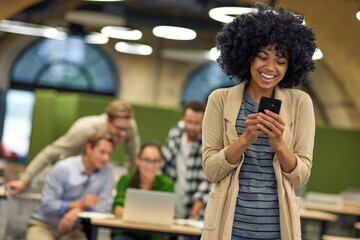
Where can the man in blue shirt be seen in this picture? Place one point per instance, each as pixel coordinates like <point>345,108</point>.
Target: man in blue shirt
<point>76,184</point>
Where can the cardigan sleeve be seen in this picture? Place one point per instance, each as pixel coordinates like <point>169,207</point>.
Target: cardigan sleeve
<point>304,134</point>
<point>214,150</point>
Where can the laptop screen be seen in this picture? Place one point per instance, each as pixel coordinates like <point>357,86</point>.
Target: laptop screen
<point>148,206</point>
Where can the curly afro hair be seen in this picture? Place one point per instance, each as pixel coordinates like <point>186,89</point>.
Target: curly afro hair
<point>240,40</point>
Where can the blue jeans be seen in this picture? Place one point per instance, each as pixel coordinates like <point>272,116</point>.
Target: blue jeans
<point>240,238</point>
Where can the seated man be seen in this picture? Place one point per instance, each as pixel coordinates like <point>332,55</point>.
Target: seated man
<point>76,184</point>
<point>118,121</point>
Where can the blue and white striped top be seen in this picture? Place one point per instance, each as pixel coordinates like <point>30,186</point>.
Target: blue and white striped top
<point>257,206</point>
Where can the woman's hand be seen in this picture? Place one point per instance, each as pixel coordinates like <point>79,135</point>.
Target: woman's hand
<point>252,130</point>
<point>272,125</point>
<point>119,211</point>
<point>237,148</point>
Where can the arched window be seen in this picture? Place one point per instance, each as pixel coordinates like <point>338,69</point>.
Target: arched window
<point>65,65</point>
<point>203,81</point>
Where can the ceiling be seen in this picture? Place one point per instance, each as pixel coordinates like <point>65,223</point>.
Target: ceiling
<point>134,13</point>
<point>334,22</point>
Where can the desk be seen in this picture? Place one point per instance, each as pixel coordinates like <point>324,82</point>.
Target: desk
<point>329,237</point>
<point>323,217</point>
<point>117,223</point>
<point>349,208</point>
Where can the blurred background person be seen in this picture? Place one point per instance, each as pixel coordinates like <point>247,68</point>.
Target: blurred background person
<point>182,153</point>
<point>118,121</point>
<point>146,177</point>
<point>76,184</point>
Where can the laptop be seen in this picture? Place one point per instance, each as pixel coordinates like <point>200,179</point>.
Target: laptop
<point>148,206</point>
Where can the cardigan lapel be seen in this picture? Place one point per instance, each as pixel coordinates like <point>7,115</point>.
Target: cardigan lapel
<point>231,111</point>
<point>286,112</point>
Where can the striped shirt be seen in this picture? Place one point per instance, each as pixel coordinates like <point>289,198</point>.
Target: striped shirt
<point>198,186</point>
<point>257,206</point>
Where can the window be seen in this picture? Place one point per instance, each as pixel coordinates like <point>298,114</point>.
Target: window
<point>203,81</point>
<point>65,65</point>
<point>17,124</point>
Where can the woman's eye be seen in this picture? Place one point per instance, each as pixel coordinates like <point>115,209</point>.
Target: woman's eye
<point>281,63</point>
<point>262,58</point>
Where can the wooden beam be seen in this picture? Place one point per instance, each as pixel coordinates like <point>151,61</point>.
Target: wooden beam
<point>15,6</point>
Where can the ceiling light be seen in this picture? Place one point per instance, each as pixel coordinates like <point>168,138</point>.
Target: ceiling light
<point>175,33</point>
<point>317,54</point>
<point>133,48</point>
<point>121,33</point>
<point>226,14</point>
<point>187,55</point>
<point>214,54</point>
<point>93,18</point>
<point>96,38</point>
<point>28,29</point>
<point>358,15</point>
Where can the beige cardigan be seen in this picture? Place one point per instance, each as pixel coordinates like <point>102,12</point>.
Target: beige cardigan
<point>219,132</point>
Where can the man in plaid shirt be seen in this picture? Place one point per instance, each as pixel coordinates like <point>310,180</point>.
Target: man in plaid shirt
<point>182,153</point>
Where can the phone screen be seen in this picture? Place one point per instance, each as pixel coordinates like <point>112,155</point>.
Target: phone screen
<point>271,104</point>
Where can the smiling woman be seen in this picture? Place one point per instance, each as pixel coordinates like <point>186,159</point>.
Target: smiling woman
<point>254,159</point>
<point>267,69</point>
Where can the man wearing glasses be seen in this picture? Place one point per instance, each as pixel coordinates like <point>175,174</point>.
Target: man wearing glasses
<point>117,121</point>
<point>182,153</point>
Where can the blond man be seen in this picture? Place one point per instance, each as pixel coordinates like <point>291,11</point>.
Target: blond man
<point>76,184</point>
<point>117,121</point>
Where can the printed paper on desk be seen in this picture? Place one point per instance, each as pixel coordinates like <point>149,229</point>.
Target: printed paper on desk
<point>98,215</point>
<point>193,223</point>
<point>335,200</point>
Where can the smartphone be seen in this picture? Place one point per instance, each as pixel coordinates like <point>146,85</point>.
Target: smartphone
<point>271,104</point>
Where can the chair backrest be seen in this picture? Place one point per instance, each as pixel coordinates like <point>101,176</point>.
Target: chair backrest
<point>19,209</point>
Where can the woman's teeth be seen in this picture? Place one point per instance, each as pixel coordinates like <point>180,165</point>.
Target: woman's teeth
<point>267,76</point>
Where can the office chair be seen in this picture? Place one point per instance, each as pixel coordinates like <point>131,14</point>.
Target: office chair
<point>19,209</point>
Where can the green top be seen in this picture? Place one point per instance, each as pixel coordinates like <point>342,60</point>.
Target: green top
<point>161,183</point>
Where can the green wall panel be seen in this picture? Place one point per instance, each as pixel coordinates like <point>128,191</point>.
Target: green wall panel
<point>55,112</point>
<point>336,162</point>
<point>43,127</point>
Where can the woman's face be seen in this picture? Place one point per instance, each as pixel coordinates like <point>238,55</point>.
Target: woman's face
<point>149,162</point>
<point>267,69</point>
